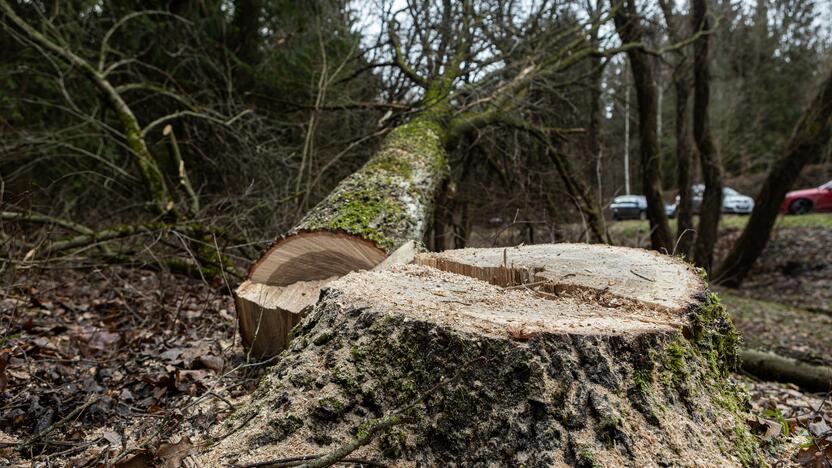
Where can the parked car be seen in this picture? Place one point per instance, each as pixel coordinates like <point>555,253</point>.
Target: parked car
<point>629,207</point>
<point>806,200</point>
<point>732,201</point>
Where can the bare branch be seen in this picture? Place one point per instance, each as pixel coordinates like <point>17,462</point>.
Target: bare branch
<point>400,61</point>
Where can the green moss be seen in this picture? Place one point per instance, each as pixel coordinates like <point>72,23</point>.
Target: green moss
<point>323,338</point>
<point>746,447</point>
<point>374,202</point>
<point>389,162</point>
<point>703,357</point>
<point>673,361</point>
<point>328,409</point>
<point>357,353</point>
<point>642,379</point>
<point>345,380</point>
<point>295,331</point>
<point>284,427</point>
<point>585,458</point>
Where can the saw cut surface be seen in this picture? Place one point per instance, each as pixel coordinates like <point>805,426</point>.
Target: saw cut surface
<point>311,256</point>
<point>647,277</point>
<point>467,304</point>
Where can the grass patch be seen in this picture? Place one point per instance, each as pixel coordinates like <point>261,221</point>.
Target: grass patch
<point>637,228</point>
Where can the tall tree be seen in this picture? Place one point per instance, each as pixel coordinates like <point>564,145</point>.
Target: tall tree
<point>711,208</point>
<point>809,138</point>
<point>676,27</point>
<point>631,31</point>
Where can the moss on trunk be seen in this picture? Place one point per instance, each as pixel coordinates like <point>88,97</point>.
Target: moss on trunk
<point>390,199</point>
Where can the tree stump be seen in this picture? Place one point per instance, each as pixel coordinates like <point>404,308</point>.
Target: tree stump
<point>541,355</point>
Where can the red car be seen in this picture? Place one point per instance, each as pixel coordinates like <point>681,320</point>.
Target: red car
<point>803,201</point>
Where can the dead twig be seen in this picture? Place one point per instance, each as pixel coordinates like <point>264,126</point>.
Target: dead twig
<point>643,277</point>
<point>71,416</point>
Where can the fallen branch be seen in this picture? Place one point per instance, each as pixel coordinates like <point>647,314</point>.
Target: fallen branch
<point>39,218</point>
<point>771,366</point>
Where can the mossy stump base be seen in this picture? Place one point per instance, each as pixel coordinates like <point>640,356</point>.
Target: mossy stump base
<point>546,355</point>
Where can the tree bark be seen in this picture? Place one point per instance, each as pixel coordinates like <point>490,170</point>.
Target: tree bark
<point>630,30</point>
<point>684,216</point>
<point>711,208</point>
<point>685,234</point>
<point>574,354</point>
<point>371,213</point>
<point>810,136</point>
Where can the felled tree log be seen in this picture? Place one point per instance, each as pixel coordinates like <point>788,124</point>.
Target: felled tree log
<point>532,356</point>
<point>369,215</point>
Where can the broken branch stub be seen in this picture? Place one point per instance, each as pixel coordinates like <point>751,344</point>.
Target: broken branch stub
<point>366,217</point>
<point>586,356</point>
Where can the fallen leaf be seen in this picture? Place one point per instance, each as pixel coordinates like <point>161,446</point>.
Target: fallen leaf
<point>173,453</point>
<point>766,429</point>
<point>112,437</point>
<point>140,460</point>
<point>818,427</point>
<point>815,456</point>
<point>212,362</point>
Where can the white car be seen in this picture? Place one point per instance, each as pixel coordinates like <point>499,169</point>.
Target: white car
<point>732,201</point>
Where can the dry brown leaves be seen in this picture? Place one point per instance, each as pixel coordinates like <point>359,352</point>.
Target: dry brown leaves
<point>153,349</point>
<point>793,426</point>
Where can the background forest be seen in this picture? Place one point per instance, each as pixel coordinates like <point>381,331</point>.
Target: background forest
<point>150,150</point>
<point>270,104</point>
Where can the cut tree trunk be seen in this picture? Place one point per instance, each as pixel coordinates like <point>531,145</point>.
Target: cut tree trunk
<point>369,214</point>
<point>559,354</point>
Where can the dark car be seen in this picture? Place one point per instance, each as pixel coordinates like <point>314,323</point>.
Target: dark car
<point>806,200</point>
<point>629,207</point>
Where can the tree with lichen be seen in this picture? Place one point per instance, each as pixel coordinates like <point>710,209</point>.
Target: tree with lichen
<point>389,201</point>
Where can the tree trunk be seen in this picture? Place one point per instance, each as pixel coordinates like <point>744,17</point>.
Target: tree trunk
<point>677,30</point>
<point>711,208</point>
<point>810,136</point>
<point>630,30</point>
<point>574,354</point>
<point>369,215</point>
<point>684,216</point>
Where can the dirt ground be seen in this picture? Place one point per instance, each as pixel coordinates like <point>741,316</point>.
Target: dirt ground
<point>127,367</point>
<point>796,268</point>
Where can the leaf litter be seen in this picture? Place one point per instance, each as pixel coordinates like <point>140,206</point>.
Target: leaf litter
<point>115,366</point>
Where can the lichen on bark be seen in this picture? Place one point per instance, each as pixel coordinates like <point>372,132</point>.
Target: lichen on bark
<point>388,201</point>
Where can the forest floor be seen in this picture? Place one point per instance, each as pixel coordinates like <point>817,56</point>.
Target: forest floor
<point>126,367</point>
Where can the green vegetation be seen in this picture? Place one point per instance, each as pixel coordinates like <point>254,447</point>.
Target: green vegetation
<point>622,231</point>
